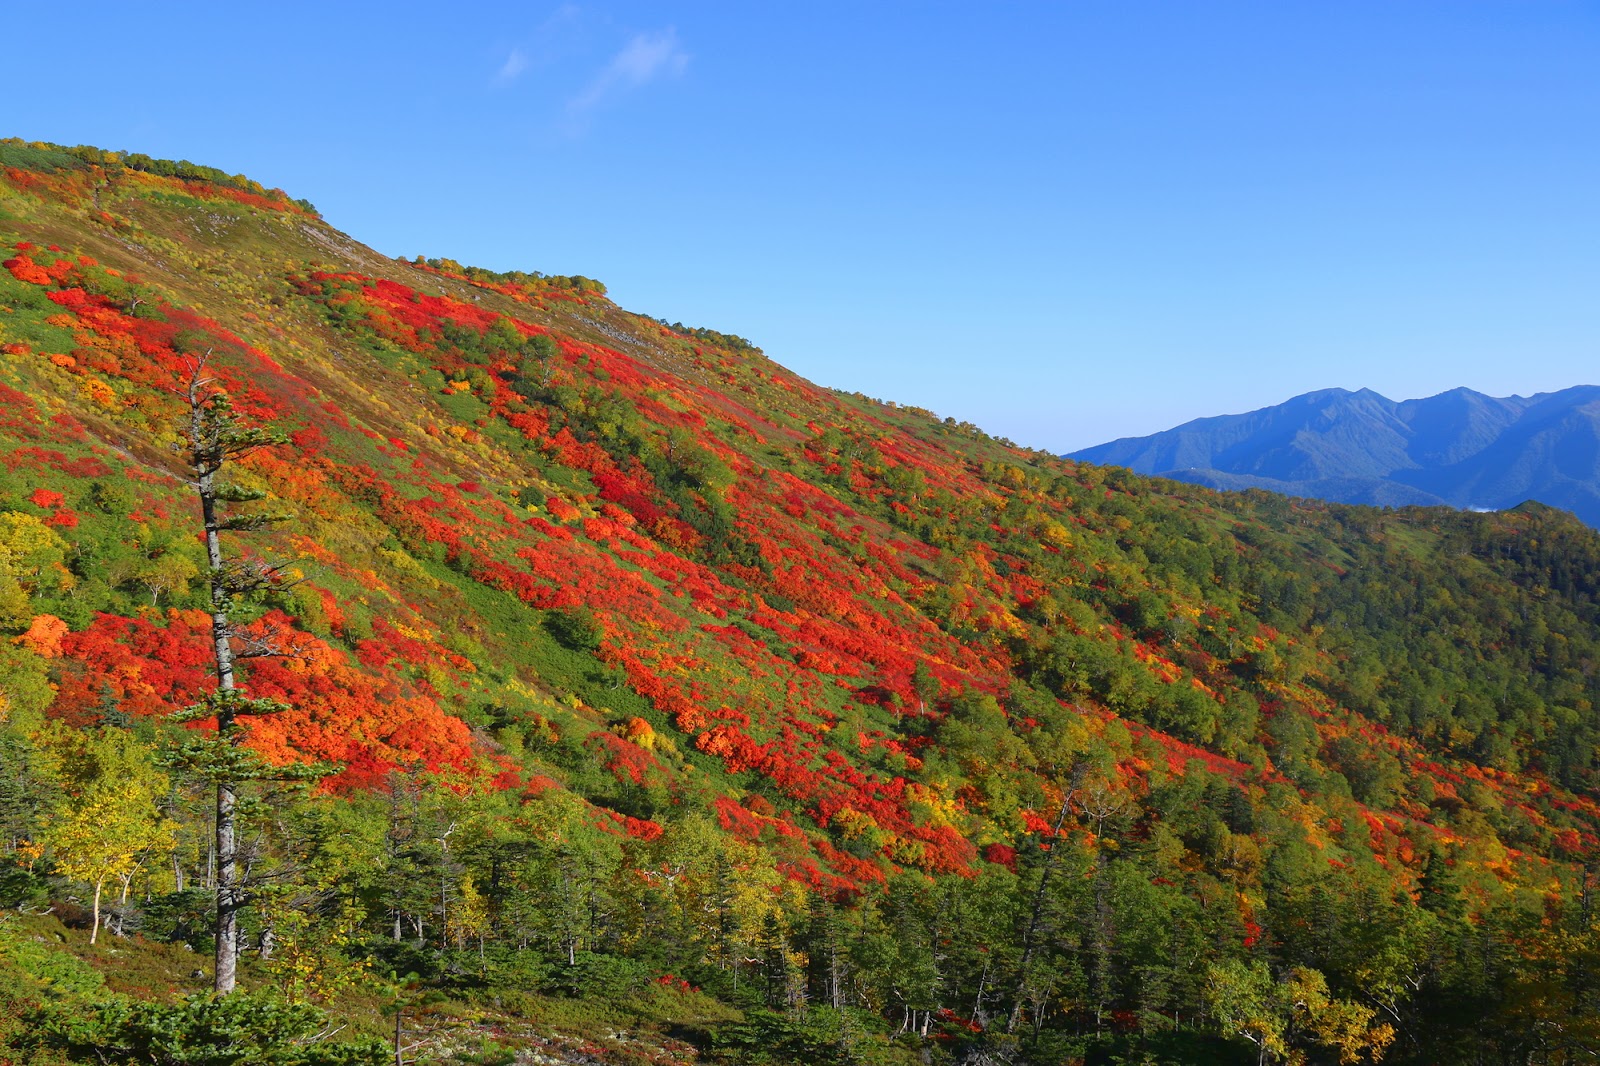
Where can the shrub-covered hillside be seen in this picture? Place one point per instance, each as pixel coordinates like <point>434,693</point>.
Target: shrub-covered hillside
<point>665,706</point>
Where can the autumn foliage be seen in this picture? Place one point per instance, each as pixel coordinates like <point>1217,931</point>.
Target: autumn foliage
<point>714,640</point>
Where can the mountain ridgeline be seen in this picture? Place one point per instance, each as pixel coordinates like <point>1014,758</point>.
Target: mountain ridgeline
<point>1459,449</point>
<point>661,706</point>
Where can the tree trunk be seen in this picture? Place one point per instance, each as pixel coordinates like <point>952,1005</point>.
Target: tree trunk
<point>94,930</point>
<point>227,921</point>
<point>227,924</point>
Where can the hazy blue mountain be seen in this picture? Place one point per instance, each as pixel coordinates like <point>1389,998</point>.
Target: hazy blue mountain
<point>1460,448</point>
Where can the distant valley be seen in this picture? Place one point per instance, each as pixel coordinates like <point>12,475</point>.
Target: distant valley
<point>1460,448</point>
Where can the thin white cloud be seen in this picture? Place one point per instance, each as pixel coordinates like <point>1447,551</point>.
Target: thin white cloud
<point>647,57</point>
<point>515,64</point>
<point>546,43</point>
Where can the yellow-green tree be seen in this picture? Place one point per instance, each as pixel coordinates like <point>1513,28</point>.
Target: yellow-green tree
<point>307,959</point>
<point>109,823</point>
<point>31,555</point>
<point>1281,1017</point>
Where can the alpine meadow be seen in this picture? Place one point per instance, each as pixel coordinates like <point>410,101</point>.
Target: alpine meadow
<point>404,662</point>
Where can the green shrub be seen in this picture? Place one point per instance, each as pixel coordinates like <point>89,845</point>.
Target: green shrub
<point>575,627</point>
<point>239,1030</point>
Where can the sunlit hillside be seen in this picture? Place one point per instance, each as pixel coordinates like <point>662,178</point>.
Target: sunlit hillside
<point>675,708</point>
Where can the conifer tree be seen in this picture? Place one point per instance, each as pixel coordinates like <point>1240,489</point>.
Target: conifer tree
<point>215,434</point>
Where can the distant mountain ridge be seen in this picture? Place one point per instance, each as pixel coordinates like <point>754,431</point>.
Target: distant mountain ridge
<point>1460,448</point>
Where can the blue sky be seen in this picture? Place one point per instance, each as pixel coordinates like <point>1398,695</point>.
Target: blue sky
<point>1064,222</point>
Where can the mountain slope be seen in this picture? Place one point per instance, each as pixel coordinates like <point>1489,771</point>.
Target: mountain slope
<point>1459,448</point>
<point>669,693</point>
